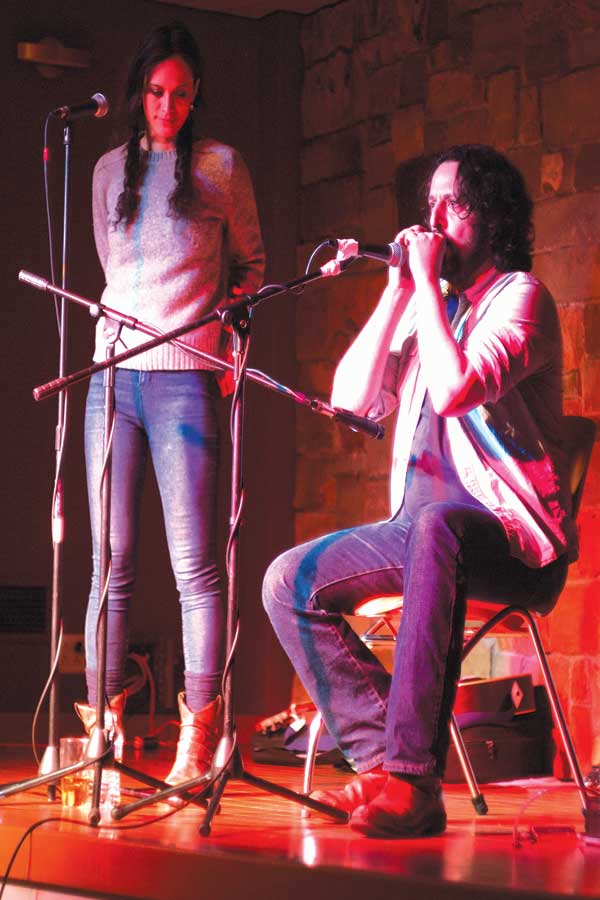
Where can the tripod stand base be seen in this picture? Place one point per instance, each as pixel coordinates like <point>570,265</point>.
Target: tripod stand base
<point>235,770</point>
<point>154,783</point>
<point>214,783</point>
<point>53,777</point>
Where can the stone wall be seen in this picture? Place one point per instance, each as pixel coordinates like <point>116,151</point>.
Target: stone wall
<point>387,83</point>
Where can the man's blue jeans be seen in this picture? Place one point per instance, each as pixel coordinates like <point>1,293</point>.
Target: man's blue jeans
<point>450,551</point>
<point>171,417</point>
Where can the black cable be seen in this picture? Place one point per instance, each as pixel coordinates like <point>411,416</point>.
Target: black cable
<point>330,242</point>
<point>45,690</point>
<point>82,824</point>
<point>46,156</point>
<point>20,843</point>
<point>240,382</point>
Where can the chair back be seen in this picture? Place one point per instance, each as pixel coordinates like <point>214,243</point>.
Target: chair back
<point>579,436</point>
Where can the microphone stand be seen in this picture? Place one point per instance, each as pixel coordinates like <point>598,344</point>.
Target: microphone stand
<point>227,763</point>
<point>99,750</point>
<point>345,416</point>
<point>98,746</point>
<point>50,759</point>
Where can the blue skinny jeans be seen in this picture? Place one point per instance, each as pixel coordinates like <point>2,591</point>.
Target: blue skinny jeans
<point>448,552</point>
<point>171,417</point>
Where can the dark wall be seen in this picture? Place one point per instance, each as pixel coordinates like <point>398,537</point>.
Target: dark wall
<point>252,90</point>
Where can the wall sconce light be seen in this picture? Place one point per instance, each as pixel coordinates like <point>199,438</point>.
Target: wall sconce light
<point>51,57</point>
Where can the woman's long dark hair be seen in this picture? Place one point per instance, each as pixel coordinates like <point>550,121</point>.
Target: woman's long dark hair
<point>489,185</point>
<point>160,44</point>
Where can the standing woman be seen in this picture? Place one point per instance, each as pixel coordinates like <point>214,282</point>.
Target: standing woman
<point>177,232</point>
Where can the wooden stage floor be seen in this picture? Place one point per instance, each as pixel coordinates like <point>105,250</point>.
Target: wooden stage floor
<point>262,846</point>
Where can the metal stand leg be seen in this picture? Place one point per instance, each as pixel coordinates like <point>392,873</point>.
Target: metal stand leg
<point>477,798</point>
<point>315,730</point>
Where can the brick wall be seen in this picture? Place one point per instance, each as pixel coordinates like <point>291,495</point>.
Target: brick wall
<point>387,83</point>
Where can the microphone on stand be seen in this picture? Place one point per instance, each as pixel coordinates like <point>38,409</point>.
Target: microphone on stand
<point>96,106</point>
<point>391,254</point>
<point>36,281</point>
<point>359,423</point>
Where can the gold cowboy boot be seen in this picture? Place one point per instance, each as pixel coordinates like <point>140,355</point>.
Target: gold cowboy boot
<point>113,721</point>
<point>198,737</point>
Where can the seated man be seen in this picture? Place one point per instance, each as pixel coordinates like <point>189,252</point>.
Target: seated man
<point>480,498</point>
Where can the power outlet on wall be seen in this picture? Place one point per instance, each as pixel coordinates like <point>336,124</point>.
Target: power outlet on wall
<point>72,655</point>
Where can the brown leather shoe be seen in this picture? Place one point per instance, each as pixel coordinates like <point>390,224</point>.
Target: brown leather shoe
<point>362,789</point>
<point>403,809</point>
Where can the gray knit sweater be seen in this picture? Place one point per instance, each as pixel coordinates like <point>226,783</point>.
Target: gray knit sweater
<point>167,271</point>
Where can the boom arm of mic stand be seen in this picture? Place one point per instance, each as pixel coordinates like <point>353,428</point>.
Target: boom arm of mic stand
<point>345,416</point>
<point>350,419</point>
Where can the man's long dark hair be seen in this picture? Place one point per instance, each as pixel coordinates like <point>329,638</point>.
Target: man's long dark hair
<point>160,44</point>
<point>489,185</point>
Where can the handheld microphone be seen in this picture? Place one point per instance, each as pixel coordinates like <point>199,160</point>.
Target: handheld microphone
<point>96,106</point>
<point>391,254</point>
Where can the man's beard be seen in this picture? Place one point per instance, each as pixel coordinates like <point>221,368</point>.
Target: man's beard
<point>451,265</point>
<point>460,271</point>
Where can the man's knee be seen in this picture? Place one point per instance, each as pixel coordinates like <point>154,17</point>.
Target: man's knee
<point>277,589</point>
<point>433,521</point>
